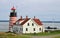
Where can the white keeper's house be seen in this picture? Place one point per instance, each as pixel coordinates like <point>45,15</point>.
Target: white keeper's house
<point>28,25</point>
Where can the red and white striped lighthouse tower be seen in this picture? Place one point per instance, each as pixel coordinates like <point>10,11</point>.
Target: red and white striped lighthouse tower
<point>13,18</point>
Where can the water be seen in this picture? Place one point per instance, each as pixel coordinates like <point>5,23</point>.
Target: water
<point>4,26</point>
<point>52,25</point>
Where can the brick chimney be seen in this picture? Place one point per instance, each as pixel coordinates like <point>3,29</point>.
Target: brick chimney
<point>34,17</point>
<point>26,17</point>
<point>20,17</point>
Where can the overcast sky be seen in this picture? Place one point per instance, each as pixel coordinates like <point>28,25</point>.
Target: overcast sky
<point>45,10</point>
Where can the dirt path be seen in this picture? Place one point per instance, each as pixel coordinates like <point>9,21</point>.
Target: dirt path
<point>49,36</point>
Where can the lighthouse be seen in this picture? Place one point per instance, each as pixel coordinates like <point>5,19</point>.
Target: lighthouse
<point>13,18</point>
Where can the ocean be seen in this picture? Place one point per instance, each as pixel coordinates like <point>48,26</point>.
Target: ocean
<point>4,25</point>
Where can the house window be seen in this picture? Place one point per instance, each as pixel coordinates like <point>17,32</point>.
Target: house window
<point>39,29</point>
<point>21,29</point>
<point>15,29</point>
<point>33,29</point>
<point>26,29</point>
<point>32,24</point>
<point>28,24</point>
<point>17,22</point>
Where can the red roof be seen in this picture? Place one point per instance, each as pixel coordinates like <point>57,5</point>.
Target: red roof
<point>20,20</point>
<point>13,8</point>
<point>38,21</point>
<point>25,20</point>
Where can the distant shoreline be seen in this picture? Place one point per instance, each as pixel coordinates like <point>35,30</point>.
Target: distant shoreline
<point>42,21</point>
<point>4,20</point>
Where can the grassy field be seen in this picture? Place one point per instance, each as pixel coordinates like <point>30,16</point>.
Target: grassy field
<point>57,37</point>
<point>12,35</point>
<point>45,33</point>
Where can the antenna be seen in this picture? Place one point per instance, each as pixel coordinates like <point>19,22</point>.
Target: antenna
<point>16,6</point>
<point>53,21</point>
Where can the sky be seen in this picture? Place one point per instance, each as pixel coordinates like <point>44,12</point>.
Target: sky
<point>45,10</point>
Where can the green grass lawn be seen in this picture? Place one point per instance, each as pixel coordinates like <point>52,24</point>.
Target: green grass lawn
<point>12,35</point>
<point>45,33</point>
<point>57,37</point>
